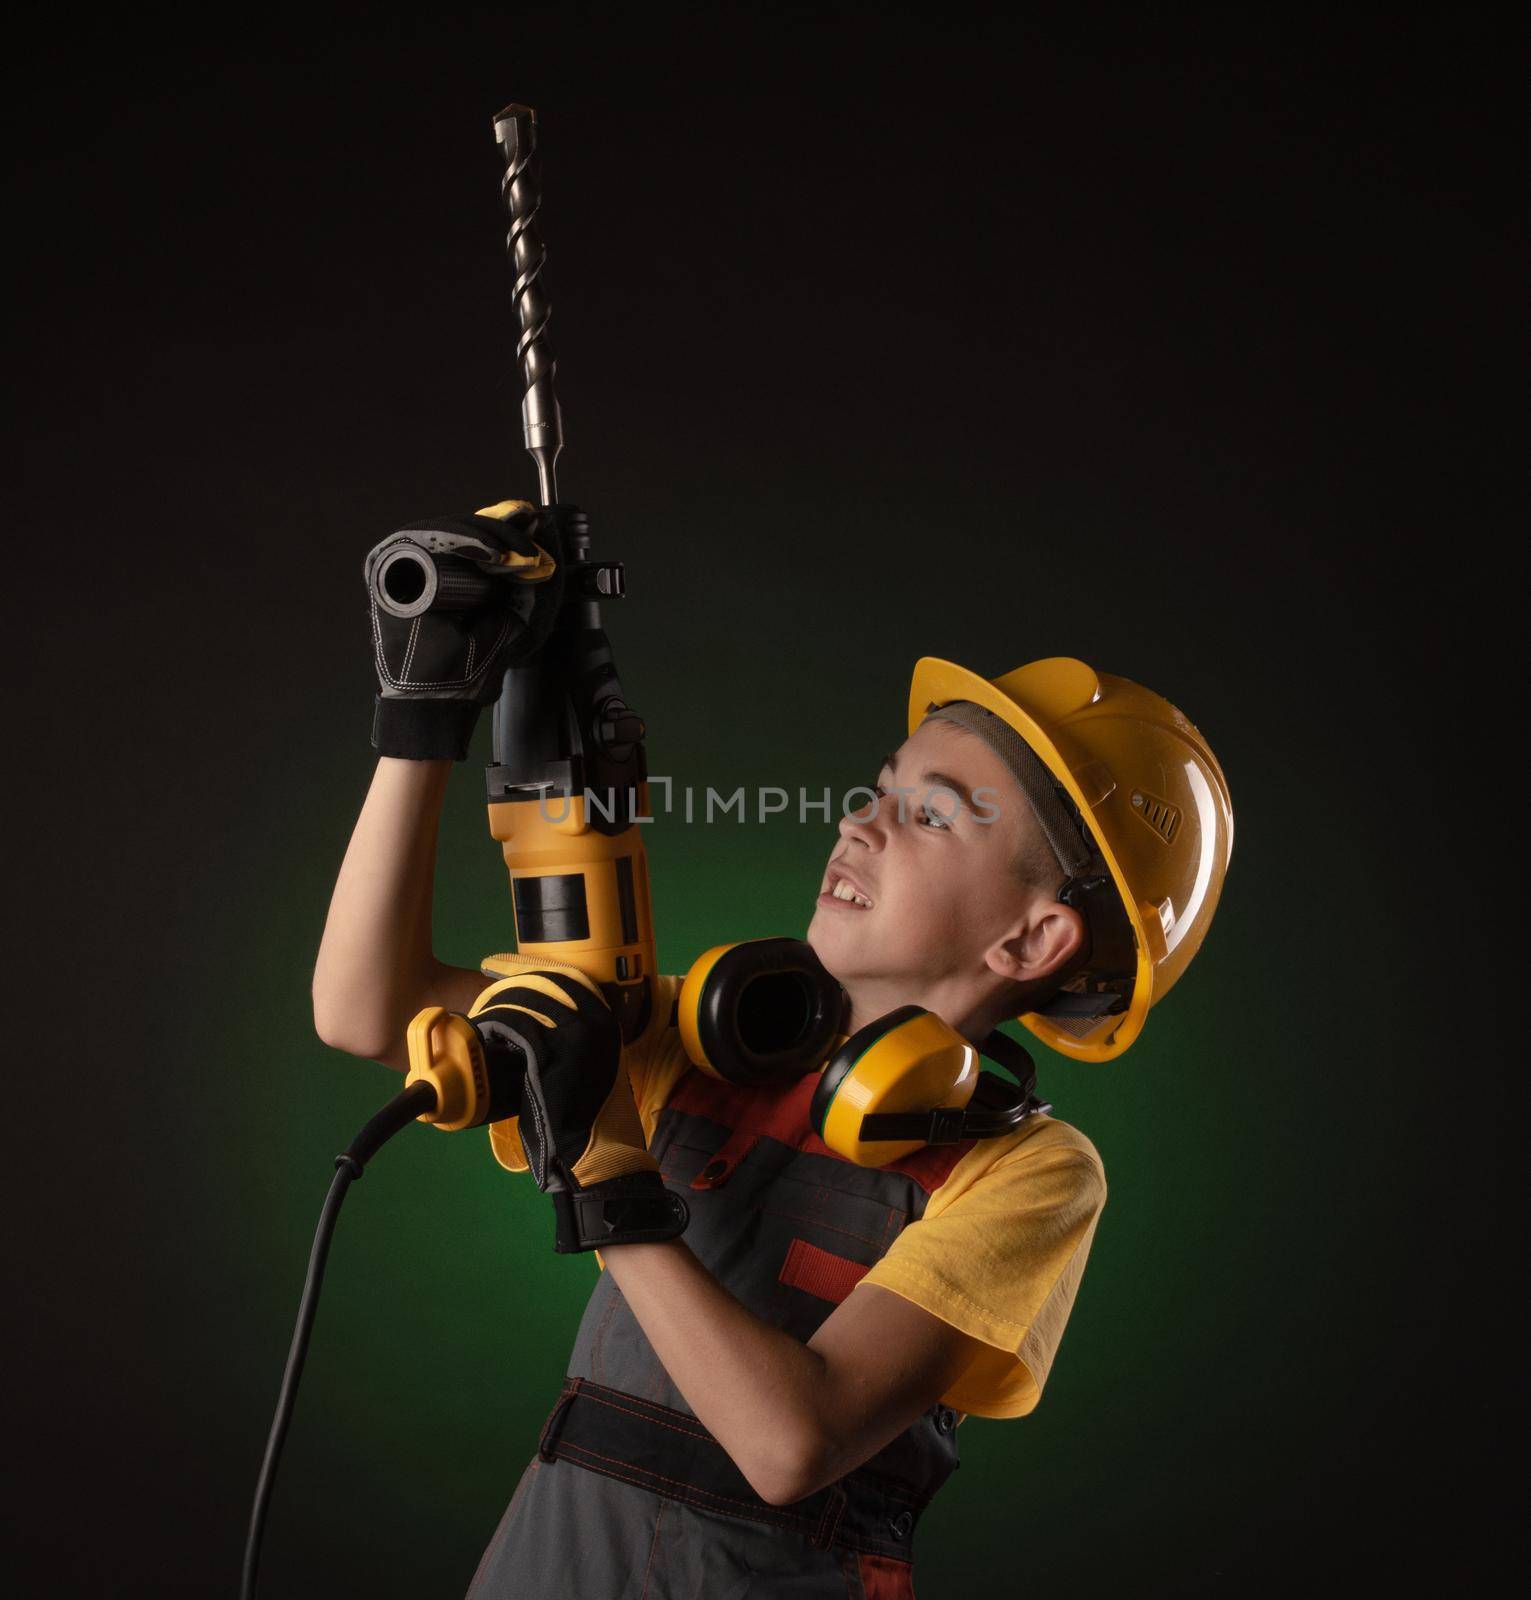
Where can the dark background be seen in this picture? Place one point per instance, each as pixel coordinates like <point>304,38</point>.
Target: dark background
<point>1182,344</point>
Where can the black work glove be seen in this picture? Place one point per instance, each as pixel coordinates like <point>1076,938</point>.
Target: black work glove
<point>579,1125</point>
<point>436,671</point>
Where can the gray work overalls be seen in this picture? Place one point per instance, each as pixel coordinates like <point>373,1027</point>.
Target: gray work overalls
<point>629,1497</point>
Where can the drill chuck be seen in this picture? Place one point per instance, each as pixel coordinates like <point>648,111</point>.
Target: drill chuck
<point>410,581</point>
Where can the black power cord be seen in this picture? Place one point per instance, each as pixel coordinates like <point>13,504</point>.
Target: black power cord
<point>393,1118</point>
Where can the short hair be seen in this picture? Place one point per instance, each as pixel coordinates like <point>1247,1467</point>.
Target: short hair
<point>1034,863</point>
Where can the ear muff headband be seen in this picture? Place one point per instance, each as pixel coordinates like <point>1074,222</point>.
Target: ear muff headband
<point>1014,1057</point>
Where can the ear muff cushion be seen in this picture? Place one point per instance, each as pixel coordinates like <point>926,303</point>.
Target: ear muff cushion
<point>767,1012</point>
<point>845,1058</point>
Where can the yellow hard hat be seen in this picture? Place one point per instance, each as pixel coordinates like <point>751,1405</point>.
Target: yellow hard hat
<point>1157,816</point>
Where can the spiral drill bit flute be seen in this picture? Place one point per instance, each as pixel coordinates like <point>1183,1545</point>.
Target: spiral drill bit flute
<point>515,128</point>
<point>411,579</point>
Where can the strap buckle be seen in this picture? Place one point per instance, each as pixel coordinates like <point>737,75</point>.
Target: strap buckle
<point>620,1211</point>
<point>946,1123</point>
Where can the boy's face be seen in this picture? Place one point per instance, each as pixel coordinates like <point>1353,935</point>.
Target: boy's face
<point>941,878</point>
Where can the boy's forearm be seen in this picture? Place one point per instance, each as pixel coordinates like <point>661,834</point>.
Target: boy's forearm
<point>375,959</point>
<point>793,1416</point>
<point>756,1389</point>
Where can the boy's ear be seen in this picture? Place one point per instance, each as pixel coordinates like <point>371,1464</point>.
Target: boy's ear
<point>1044,942</point>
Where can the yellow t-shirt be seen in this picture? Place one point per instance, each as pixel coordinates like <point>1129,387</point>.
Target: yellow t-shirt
<point>998,1252</point>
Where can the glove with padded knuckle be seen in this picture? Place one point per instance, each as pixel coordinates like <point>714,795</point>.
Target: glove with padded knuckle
<point>501,583</point>
<point>579,1125</point>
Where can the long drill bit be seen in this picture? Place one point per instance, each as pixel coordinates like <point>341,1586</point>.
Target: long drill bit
<point>515,128</point>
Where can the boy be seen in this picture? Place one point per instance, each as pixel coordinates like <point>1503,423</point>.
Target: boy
<point>765,1405</point>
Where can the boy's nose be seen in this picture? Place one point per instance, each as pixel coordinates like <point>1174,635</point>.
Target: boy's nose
<point>864,825</point>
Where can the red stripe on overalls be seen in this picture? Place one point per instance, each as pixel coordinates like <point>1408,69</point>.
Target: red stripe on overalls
<point>883,1578</point>
<point>780,1112</point>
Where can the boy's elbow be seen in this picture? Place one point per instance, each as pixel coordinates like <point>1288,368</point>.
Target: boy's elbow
<point>789,1469</point>
<point>334,1030</point>
<point>341,1033</point>
<point>785,1490</point>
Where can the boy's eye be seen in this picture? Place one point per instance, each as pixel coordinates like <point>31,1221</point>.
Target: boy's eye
<point>931,819</point>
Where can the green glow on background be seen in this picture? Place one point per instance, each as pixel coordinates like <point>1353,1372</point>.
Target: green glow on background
<point>1222,1362</point>
<point>1185,351</point>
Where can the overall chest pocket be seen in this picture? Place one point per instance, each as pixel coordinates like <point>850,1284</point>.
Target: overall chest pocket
<point>819,1223</point>
<point>783,1228</point>
<point>847,1218</point>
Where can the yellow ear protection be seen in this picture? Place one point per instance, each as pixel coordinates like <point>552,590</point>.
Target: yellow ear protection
<point>765,1011</point>
<point>909,1079</point>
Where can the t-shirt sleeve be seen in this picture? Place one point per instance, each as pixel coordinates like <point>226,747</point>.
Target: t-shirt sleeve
<point>655,1061</point>
<point>999,1253</point>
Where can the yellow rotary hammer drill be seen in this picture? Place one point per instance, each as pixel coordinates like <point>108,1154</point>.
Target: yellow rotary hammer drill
<point>569,778</point>
<point>568,782</point>
<point>567,787</point>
